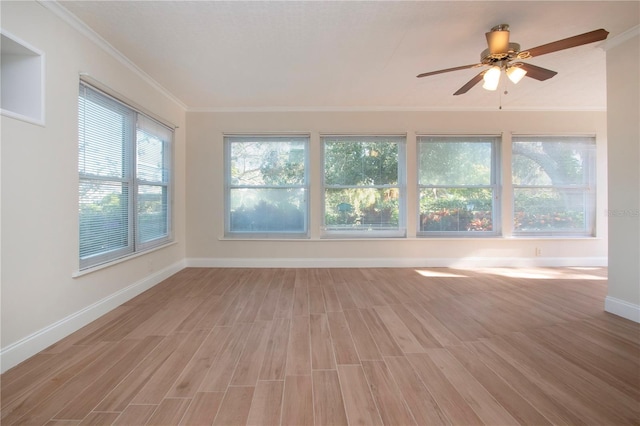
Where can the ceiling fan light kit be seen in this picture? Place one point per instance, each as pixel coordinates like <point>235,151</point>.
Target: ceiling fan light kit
<point>501,52</point>
<point>516,73</point>
<point>491,78</point>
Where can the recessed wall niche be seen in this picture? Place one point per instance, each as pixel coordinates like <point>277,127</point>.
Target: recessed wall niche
<point>22,79</point>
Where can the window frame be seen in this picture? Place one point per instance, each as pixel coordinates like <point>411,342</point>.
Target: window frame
<point>129,177</point>
<point>399,232</point>
<point>588,188</point>
<point>165,183</point>
<point>228,139</point>
<point>495,184</point>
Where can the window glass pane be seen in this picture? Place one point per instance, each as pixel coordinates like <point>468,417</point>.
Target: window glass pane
<point>150,164</point>
<point>562,162</point>
<point>152,212</point>
<point>267,184</point>
<point>362,208</point>
<point>103,130</point>
<point>264,162</point>
<point>457,184</point>
<point>348,162</point>
<point>552,210</point>
<point>554,184</point>
<point>456,209</point>
<point>267,210</point>
<point>103,214</point>
<point>455,163</point>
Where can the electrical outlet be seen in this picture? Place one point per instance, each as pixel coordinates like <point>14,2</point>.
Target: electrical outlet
<point>538,252</point>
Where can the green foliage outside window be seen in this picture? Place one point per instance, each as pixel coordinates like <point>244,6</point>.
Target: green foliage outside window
<point>456,209</point>
<point>361,184</point>
<point>102,219</point>
<point>548,210</point>
<point>455,176</point>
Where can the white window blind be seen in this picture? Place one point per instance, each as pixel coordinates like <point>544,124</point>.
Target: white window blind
<point>124,179</point>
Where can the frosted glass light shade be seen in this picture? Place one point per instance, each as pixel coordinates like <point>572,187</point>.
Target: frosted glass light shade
<point>515,74</point>
<point>491,78</point>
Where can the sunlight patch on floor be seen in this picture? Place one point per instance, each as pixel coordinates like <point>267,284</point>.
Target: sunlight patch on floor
<point>544,273</point>
<point>438,274</point>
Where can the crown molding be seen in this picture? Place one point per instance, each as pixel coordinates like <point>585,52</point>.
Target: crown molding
<point>77,24</point>
<point>620,38</point>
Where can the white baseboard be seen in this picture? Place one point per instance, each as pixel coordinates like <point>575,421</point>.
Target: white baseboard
<point>467,262</point>
<point>622,308</point>
<point>19,351</point>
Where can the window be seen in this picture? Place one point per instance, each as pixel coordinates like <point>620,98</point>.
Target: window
<point>457,185</point>
<point>124,165</point>
<point>267,186</point>
<point>554,185</point>
<point>364,186</point>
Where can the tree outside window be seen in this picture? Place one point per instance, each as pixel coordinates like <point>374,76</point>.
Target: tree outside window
<point>457,185</point>
<point>363,185</point>
<point>554,185</point>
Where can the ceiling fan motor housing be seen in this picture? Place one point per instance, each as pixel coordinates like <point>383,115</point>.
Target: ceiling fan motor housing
<point>488,57</point>
<point>498,38</point>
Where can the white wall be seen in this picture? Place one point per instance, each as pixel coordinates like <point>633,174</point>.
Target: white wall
<point>205,198</point>
<point>41,302</point>
<point>623,115</point>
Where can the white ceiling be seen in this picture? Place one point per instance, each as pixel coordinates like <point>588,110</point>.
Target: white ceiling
<point>354,55</point>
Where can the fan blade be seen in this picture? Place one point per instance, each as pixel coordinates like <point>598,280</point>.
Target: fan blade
<point>464,67</point>
<point>537,72</point>
<point>475,80</point>
<point>566,43</point>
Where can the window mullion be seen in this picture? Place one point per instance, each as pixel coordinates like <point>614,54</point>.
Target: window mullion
<point>151,182</point>
<point>132,166</point>
<point>361,186</point>
<point>267,186</point>
<point>97,178</point>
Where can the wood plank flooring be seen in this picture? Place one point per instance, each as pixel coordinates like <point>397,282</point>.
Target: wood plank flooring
<point>354,346</point>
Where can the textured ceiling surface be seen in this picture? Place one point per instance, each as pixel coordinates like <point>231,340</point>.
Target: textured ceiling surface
<point>351,55</point>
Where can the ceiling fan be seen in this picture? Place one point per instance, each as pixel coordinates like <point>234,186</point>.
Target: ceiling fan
<point>502,55</point>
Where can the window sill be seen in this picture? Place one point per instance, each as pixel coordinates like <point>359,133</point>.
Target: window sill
<point>361,239</point>
<point>554,237</point>
<point>430,238</point>
<point>83,272</point>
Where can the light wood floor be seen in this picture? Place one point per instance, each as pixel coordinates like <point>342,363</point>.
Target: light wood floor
<point>343,346</point>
